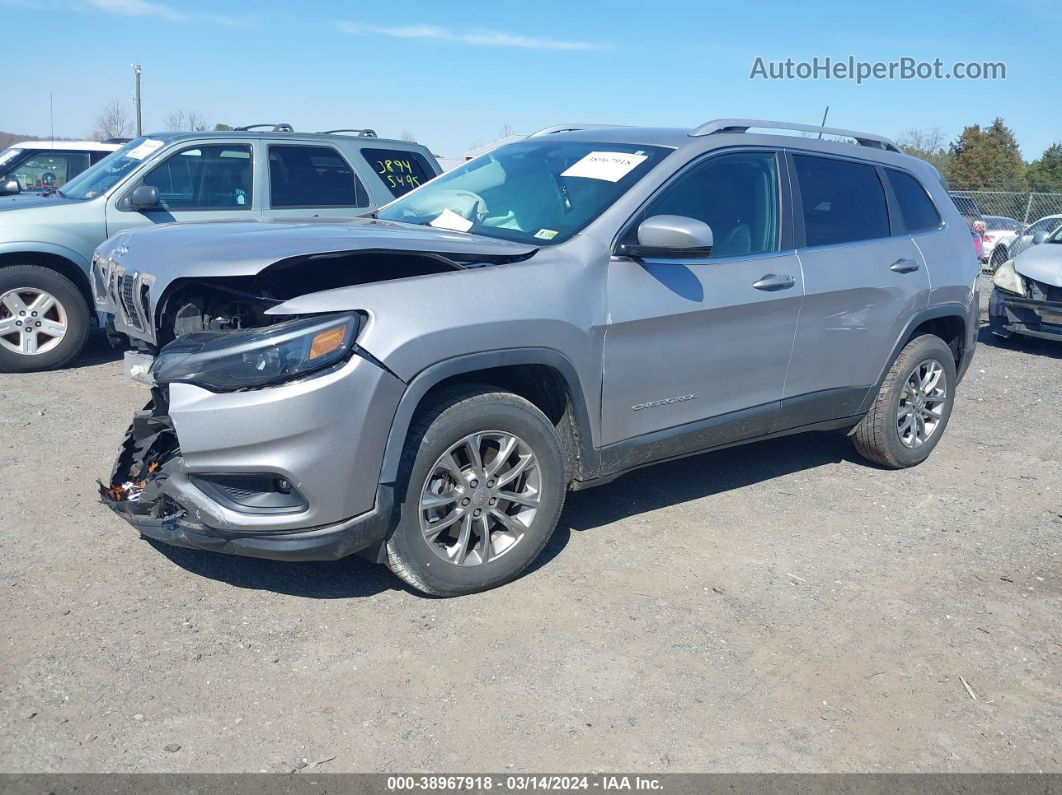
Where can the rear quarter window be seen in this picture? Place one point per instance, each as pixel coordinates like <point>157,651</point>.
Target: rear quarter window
<point>916,208</point>
<point>399,170</point>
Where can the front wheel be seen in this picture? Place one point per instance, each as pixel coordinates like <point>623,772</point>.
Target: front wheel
<point>482,485</point>
<point>912,407</point>
<point>44,319</point>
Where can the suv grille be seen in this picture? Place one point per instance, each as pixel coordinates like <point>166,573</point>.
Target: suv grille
<point>127,295</point>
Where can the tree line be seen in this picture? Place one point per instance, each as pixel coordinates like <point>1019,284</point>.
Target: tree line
<point>980,158</point>
<point>986,158</point>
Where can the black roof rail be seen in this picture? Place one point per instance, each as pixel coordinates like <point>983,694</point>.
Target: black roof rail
<point>365,133</point>
<point>117,141</point>
<point>282,127</point>
<point>742,125</point>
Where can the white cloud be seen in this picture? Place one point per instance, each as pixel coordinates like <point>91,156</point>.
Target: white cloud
<point>477,37</point>
<point>145,8</point>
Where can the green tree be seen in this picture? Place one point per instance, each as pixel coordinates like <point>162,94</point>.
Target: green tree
<point>1045,174</point>
<point>987,159</point>
<point>219,127</point>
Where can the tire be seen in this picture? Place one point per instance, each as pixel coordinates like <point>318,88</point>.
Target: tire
<point>20,287</point>
<point>434,560</point>
<point>880,436</point>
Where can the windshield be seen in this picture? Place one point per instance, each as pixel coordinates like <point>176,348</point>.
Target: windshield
<point>536,191</point>
<point>100,177</point>
<point>1056,237</point>
<point>9,154</point>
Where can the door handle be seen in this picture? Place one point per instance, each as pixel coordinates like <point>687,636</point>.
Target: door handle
<point>904,266</point>
<point>773,281</point>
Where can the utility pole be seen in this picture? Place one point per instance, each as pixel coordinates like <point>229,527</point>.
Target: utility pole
<point>136,100</point>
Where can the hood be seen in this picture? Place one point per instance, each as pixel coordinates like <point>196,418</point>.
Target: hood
<point>243,248</point>
<point>23,200</point>
<point>1042,263</point>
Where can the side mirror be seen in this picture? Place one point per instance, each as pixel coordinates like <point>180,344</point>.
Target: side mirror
<point>670,237</point>
<point>1039,238</point>
<point>144,197</point>
<point>9,186</point>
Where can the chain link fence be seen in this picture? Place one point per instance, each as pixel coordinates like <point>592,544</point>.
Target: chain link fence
<point>1011,219</point>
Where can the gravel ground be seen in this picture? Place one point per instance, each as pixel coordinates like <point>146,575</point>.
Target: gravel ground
<point>778,607</point>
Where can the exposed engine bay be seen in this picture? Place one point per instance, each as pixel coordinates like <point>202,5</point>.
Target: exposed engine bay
<point>241,302</point>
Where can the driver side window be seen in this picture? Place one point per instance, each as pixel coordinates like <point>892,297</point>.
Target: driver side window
<point>735,194</point>
<point>216,177</point>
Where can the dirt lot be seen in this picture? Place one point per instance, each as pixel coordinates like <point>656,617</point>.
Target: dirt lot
<point>782,606</point>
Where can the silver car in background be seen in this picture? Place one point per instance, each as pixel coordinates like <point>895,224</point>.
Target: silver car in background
<point>424,387</point>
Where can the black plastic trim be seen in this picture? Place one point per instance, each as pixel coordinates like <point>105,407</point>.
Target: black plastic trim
<point>436,373</point>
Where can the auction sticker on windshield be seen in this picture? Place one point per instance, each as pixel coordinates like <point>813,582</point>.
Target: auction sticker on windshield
<point>448,219</point>
<point>145,149</point>
<point>609,166</point>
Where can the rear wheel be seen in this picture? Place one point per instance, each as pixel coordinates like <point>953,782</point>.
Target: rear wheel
<point>44,319</point>
<point>912,407</point>
<point>482,487</point>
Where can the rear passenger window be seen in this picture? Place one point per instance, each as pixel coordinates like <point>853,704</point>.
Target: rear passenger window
<point>400,171</point>
<point>842,201</point>
<point>916,207</point>
<point>312,176</point>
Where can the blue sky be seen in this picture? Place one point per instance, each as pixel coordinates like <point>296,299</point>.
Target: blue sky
<point>455,74</point>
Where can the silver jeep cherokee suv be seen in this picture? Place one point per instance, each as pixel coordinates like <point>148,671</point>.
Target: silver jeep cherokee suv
<point>424,386</point>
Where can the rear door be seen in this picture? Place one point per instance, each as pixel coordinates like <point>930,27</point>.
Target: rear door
<point>863,280</point>
<point>308,180</point>
<point>705,338</point>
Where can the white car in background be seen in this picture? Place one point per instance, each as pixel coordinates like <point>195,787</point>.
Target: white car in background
<point>44,166</point>
<point>1049,224</point>
<point>999,233</point>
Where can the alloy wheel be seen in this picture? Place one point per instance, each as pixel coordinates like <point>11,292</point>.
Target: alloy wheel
<point>922,402</point>
<point>480,498</point>
<point>32,321</point>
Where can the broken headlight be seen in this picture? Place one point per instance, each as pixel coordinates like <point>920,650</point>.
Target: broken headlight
<point>1006,278</point>
<point>225,361</point>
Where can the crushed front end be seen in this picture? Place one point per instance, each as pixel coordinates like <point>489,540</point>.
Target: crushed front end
<point>287,467</point>
<point>148,455</point>
<point>1022,305</point>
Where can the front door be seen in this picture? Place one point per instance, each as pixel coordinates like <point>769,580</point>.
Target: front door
<point>693,339</point>
<point>201,182</point>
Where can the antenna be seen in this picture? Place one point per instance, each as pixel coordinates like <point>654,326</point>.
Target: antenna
<point>51,116</point>
<point>824,115</point>
<point>136,99</point>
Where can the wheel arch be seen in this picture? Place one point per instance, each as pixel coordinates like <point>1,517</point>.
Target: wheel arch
<point>543,376</point>
<point>947,321</point>
<point>62,261</point>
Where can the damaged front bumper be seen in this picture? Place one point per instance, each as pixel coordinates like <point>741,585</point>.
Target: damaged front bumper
<point>291,472</point>
<point>1032,317</point>
<point>151,488</point>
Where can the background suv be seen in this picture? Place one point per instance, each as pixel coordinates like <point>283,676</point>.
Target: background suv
<point>46,242</point>
<point>425,387</point>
